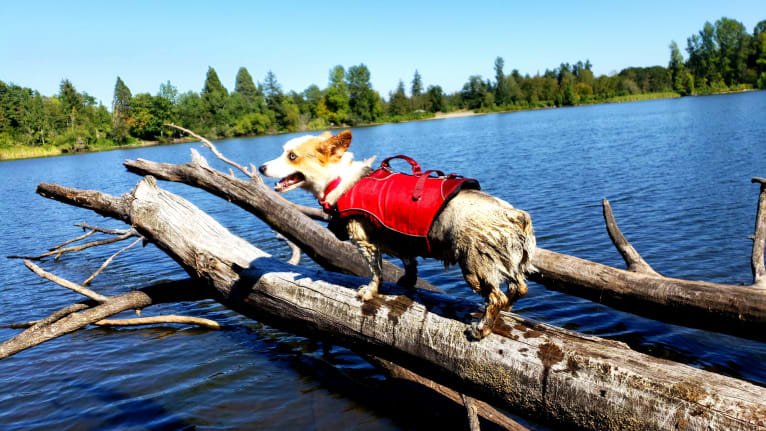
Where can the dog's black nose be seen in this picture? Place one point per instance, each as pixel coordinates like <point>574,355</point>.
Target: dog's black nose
<point>262,169</point>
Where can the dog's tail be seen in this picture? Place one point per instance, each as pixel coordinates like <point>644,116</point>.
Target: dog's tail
<point>526,238</point>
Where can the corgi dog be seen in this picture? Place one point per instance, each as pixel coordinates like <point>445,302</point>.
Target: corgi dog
<point>492,241</point>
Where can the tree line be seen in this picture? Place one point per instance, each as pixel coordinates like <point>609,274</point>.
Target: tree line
<point>721,57</point>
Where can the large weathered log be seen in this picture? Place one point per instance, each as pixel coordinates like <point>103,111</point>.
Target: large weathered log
<point>532,368</point>
<point>739,310</point>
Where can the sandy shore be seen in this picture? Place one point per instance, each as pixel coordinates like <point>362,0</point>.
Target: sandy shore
<point>453,114</point>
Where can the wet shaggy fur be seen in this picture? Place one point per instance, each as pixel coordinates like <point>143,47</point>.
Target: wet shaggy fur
<point>490,240</point>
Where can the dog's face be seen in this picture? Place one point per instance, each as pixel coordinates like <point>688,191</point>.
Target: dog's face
<point>309,162</point>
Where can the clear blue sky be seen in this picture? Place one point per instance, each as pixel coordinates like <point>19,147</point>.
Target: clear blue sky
<point>149,42</point>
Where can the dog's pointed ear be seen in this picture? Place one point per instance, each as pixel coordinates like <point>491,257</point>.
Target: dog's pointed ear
<point>325,135</point>
<point>333,148</point>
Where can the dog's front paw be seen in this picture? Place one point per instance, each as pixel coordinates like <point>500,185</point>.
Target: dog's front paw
<point>477,331</point>
<point>366,292</point>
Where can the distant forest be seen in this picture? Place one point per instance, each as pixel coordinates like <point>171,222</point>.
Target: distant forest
<point>721,57</point>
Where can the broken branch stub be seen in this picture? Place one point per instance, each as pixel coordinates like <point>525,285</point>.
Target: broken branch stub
<point>759,238</point>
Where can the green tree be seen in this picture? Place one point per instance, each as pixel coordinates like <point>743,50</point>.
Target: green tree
<point>72,101</point>
<point>435,98</point>
<point>336,97</point>
<point>272,91</point>
<point>416,91</point>
<point>733,42</point>
<point>312,95</point>
<point>168,92</point>
<point>676,67</point>
<point>121,111</point>
<point>502,92</point>
<point>191,112</point>
<point>244,85</point>
<point>149,115</point>
<point>759,53</point>
<point>474,93</point>
<point>364,102</point>
<point>398,103</point>
<point>214,97</point>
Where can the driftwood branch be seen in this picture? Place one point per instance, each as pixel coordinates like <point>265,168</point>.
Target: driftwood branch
<point>83,236</point>
<point>59,252</point>
<point>215,151</point>
<point>170,318</point>
<point>108,261</point>
<point>634,260</point>
<point>295,256</point>
<point>473,417</point>
<point>549,373</point>
<point>484,410</point>
<point>103,230</point>
<point>759,238</point>
<point>82,290</point>
<point>74,317</point>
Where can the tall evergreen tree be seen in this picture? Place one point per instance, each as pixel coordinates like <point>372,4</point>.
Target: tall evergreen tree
<point>398,103</point>
<point>120,111</point>
<point>272,91</point>
<point>502,92</point>
<point>214,97</point>
<point>71,101</point>
<point>417,85</point>
<point>244,85</point>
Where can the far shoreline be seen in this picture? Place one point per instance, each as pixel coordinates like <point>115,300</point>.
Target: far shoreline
<point>38,152</point>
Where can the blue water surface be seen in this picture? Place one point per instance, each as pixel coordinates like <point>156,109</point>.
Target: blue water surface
<point>676,171</point>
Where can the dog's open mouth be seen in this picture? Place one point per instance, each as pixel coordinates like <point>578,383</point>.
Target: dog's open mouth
<point>289,182</point>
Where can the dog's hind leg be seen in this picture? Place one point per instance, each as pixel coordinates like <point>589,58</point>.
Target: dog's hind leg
<point>410,276</point>
<point>495,299</point>
<point>516,289</point>
<point>374,259</point>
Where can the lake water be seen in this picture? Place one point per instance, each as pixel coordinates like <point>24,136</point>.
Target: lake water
<point>677,173</point>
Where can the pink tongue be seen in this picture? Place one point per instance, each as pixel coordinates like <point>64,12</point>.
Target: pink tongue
<point>287,182</point>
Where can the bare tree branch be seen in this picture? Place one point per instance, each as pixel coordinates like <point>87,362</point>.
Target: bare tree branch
<point>215,151</point>
<point>634,260</point>
<point>108,261</point>
<point>484,410</point>
<point>295,257</point>
<point>103,230</point>
<point>470,408</point>
<point>87,234</point>
<point>82,290</point>
<point>58,253</point>
<point>170,318</point>
<point>65,320</point>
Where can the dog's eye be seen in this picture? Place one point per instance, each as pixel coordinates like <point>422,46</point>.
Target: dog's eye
<point>292,156</point>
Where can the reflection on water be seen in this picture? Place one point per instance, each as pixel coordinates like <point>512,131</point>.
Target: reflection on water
<point>676,172</point>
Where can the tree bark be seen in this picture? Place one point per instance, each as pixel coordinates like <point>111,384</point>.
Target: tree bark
<point>532,368</point>
<point>738,310</point>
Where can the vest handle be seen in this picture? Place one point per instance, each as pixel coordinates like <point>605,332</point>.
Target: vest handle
<point>415,166</point>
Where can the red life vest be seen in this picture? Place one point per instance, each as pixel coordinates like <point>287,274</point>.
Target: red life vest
<point>403,203</point>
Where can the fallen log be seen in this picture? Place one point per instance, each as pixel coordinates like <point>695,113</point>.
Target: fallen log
<point>531,368</point>
<point>738,310</point>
